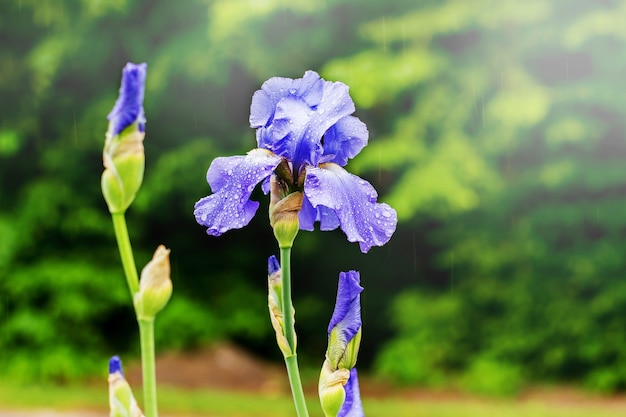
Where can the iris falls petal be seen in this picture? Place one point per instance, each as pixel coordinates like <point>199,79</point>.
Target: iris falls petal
<point>232,180</point>
<point>353,200</point>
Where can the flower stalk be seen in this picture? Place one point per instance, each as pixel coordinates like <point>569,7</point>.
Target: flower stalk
<point>291,361</point>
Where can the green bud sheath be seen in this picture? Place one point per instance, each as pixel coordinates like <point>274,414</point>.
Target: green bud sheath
<point>121,400</point>
<point>331,388</point>
<point>349,357</point>
<point>276,309</point>
<point>155,285</point>
<point>124,160</point>
<point>284,219</point>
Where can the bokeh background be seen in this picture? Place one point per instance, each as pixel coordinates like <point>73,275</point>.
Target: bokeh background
<point>496,131</point>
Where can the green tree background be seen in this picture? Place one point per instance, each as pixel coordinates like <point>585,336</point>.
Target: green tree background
<point>496,131</point>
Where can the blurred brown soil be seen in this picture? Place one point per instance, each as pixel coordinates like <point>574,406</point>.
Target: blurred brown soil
<point>222,366</point>
<point>228,367</point>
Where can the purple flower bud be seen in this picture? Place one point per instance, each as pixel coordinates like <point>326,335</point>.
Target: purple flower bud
<point>115,365</point>
<point>128,108</point>
<point>272,265</point>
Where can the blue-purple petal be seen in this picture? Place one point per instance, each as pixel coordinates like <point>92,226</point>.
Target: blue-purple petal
<point>232,180</point>
<point>291,116</point>
<point>344,140</point>
<point>115,365</point>
<point>352,406</point>
<point>353,200</point>
<point>272,265</point>
<point>128,108</point>
<point>346,317</point>
<point>308,215</point>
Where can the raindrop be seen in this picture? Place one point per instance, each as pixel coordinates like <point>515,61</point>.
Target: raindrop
<point>292,91</point>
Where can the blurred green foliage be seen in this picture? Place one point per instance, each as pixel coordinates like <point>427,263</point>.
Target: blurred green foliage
<point>496,131</point>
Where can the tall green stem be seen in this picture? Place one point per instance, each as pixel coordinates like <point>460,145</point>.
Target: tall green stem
<point>148,368</point>
<point>291,361</point>
<point>126,252</point>
<point>146,327</point>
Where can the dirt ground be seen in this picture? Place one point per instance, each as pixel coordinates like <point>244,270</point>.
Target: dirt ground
<point>222,366</point>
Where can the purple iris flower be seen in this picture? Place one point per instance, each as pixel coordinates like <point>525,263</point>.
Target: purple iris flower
<point>128,108</point>
<point>305,135</point>
<point>352,406</point>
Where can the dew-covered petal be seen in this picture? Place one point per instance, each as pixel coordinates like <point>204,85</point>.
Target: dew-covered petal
<point>293,115</point>
<point>232,180</point>
<point>308,215</point>
<point>344,140</point>
<point>353,200</point>
<point>128,108</point>
<point>352,406</point>
<point>264,101</point>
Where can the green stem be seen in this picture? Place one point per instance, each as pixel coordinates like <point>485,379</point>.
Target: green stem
<point>148,368</point>
<point>291,361</point>
<point>126,252</point>
<point>146,326</point>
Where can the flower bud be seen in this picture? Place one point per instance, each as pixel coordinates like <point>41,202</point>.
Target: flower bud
<point>121,399</point>
<point>123,155</point>
<point>155,285</point>
<point>284,213</point>
<point>336,385</point>
<point>274,302</point>
<point>331,388</point>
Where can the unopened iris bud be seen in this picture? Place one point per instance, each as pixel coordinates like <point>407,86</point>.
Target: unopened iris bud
<point>155,285</point>
<point>283,212</point>
<point>121,399</point>
<point>123,155</point>
<point>275,286</point>
<point>336,390</point>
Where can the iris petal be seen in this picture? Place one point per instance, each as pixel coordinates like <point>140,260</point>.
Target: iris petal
<point>293,115</point>
<point>232,180</point>
<point>309,215</point>
<point>353,200</point>
<point>344,140</point>
<point>347,314</point>
<point>352,406</point>
<point>128,108</point>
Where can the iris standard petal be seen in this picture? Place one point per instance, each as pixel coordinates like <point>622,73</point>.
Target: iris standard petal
<point>128,108</point>
<point>346,317</point>
<point>353,200</point>
<point>352,406</point>
<point>344,140</point>
<point>292,116</point>
<point>308,88</point>
<point>232,180</point>
<point>335,105</point>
